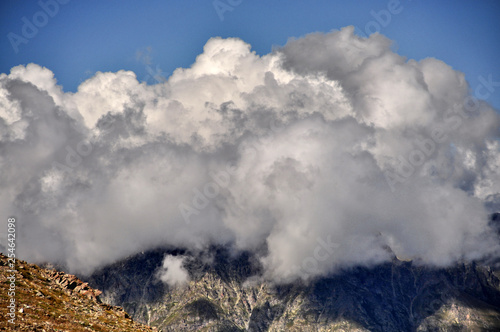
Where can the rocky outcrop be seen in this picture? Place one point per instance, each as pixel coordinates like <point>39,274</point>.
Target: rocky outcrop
<point>226,294</point>
<point>49,300</point>
<point>74,285</point>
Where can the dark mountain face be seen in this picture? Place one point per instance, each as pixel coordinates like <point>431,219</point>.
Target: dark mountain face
<point>396,296</point>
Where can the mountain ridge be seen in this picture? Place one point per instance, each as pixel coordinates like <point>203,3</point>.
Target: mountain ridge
<point>227,294</point>
<point>50,300</point>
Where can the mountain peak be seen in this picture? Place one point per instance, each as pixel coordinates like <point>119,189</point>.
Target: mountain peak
<point>228,293</point>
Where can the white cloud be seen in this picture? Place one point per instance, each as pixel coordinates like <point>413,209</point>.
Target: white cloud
<point>172,272</point>
<point>275,151</point>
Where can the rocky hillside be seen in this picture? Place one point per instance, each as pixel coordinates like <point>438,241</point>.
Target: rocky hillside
<point>48,300</point>
<point>221,296</point>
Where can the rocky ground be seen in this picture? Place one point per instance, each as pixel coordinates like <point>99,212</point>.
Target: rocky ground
<point>221,296</point>
<point>225,293</point>
<point>49,300</point>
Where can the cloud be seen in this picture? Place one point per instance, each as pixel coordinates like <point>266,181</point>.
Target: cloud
<point>172,272</point>
<point>331,139</point>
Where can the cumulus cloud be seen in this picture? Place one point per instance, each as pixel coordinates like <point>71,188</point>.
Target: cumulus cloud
<point>317,156</point>
<point>172,272</point>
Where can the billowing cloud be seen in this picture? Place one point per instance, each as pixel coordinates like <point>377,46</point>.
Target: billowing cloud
<point>317,156</point>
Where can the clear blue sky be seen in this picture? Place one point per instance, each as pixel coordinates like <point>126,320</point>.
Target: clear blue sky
<point>105,35</point>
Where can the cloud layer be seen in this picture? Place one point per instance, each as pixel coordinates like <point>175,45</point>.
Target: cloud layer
<point>316,156</point>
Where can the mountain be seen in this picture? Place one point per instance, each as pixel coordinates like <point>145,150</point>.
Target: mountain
<point>225,293</point>
<point>50,300</point>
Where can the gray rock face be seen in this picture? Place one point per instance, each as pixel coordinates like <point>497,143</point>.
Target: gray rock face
<point>397,296</point>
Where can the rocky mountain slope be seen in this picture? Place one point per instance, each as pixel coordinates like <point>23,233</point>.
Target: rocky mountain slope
<point>49,300</point>
<point>225,294</point>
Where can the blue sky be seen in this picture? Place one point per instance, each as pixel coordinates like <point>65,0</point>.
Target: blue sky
<point>82,37</point>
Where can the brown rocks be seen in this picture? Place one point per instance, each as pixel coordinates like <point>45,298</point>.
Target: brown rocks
<point>50,300</point>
